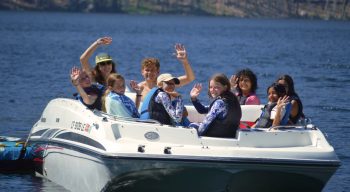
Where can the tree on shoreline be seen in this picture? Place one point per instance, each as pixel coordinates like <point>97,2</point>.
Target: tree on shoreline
<point>324,9</point>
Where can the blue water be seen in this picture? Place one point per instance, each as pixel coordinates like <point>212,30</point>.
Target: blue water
<point>38,49</point>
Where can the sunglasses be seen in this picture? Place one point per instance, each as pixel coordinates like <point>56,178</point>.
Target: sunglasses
<point>169,83</point>
<point>84,77</point>
<point>105,63</point>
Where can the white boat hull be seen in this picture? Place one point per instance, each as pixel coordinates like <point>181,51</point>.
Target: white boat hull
<point>68,167</point>
<point>103,153</point>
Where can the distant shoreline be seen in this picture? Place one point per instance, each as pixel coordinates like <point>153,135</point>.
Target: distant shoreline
<point>274,9</point>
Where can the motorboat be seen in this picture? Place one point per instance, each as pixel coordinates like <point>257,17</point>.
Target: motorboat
<point>85,150</point>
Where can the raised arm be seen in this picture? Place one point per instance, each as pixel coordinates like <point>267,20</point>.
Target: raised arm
<point>197,88</point>
<point>75,76</point>
<point>84,58</point>
<point>138,90</point>
<point>279,111</point>
<point>233,82</point>
<point>182,57</point>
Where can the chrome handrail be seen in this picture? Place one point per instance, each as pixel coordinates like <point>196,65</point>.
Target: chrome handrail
<point>148,121</point>
<point>287,127</point>
<point>279,127</point>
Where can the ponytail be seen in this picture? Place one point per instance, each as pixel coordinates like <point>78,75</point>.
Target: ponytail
<point>103,100</point>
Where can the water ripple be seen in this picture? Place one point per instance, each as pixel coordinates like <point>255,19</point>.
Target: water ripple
<point>335,108</point>
<point>336,66</point>
<point>41,47</point>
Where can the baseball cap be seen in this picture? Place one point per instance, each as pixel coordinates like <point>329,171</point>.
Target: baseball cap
<point>167,77</point>
<point>102,57</point>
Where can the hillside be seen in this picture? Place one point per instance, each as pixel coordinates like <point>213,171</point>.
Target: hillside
<point>324,9</point>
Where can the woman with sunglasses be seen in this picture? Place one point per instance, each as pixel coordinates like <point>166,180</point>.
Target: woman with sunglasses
<point>104,63</point>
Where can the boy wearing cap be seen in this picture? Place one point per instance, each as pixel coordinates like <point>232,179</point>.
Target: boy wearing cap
<point>175,97</point>
<point>104,62</point>
<point>151,67</point>
<point>160,106</point>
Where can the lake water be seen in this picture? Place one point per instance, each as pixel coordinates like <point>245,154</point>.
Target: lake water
<point>39,49</point>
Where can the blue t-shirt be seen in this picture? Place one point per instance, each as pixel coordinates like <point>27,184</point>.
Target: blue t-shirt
<point>120,105</point>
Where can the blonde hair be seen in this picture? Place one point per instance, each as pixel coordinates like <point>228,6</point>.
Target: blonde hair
<point>112,78</point>
<point>148,62</point>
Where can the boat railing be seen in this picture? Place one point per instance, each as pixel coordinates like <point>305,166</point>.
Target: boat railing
<point>281,128</point>
<point>303,123</point>
<point>288,127</point>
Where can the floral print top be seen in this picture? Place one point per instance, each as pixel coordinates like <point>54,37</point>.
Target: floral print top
<point>174,111</point>
<point>218,110</point>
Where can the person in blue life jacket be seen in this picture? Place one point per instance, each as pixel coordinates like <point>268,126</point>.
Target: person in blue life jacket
<point>88,93</point>
<point>115,102</point>
<point>277,110</point>
<point>224,112</point>
<point>104,62</point>
<point>150,69</point>
<point>158,104</point>
<point>296,112</point>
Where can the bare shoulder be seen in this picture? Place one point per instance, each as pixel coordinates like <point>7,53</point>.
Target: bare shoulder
<point>142,84</point>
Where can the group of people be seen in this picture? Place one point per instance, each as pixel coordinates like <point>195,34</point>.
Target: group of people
<point>102,88</point>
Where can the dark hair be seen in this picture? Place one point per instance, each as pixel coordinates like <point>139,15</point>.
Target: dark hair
<point>98,75</point>
<point>223,80</point>
<point>280,89</point>
<point>252,77</point>
<point>290,89</point>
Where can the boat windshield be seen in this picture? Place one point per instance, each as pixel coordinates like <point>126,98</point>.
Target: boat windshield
<point>120,118</point>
